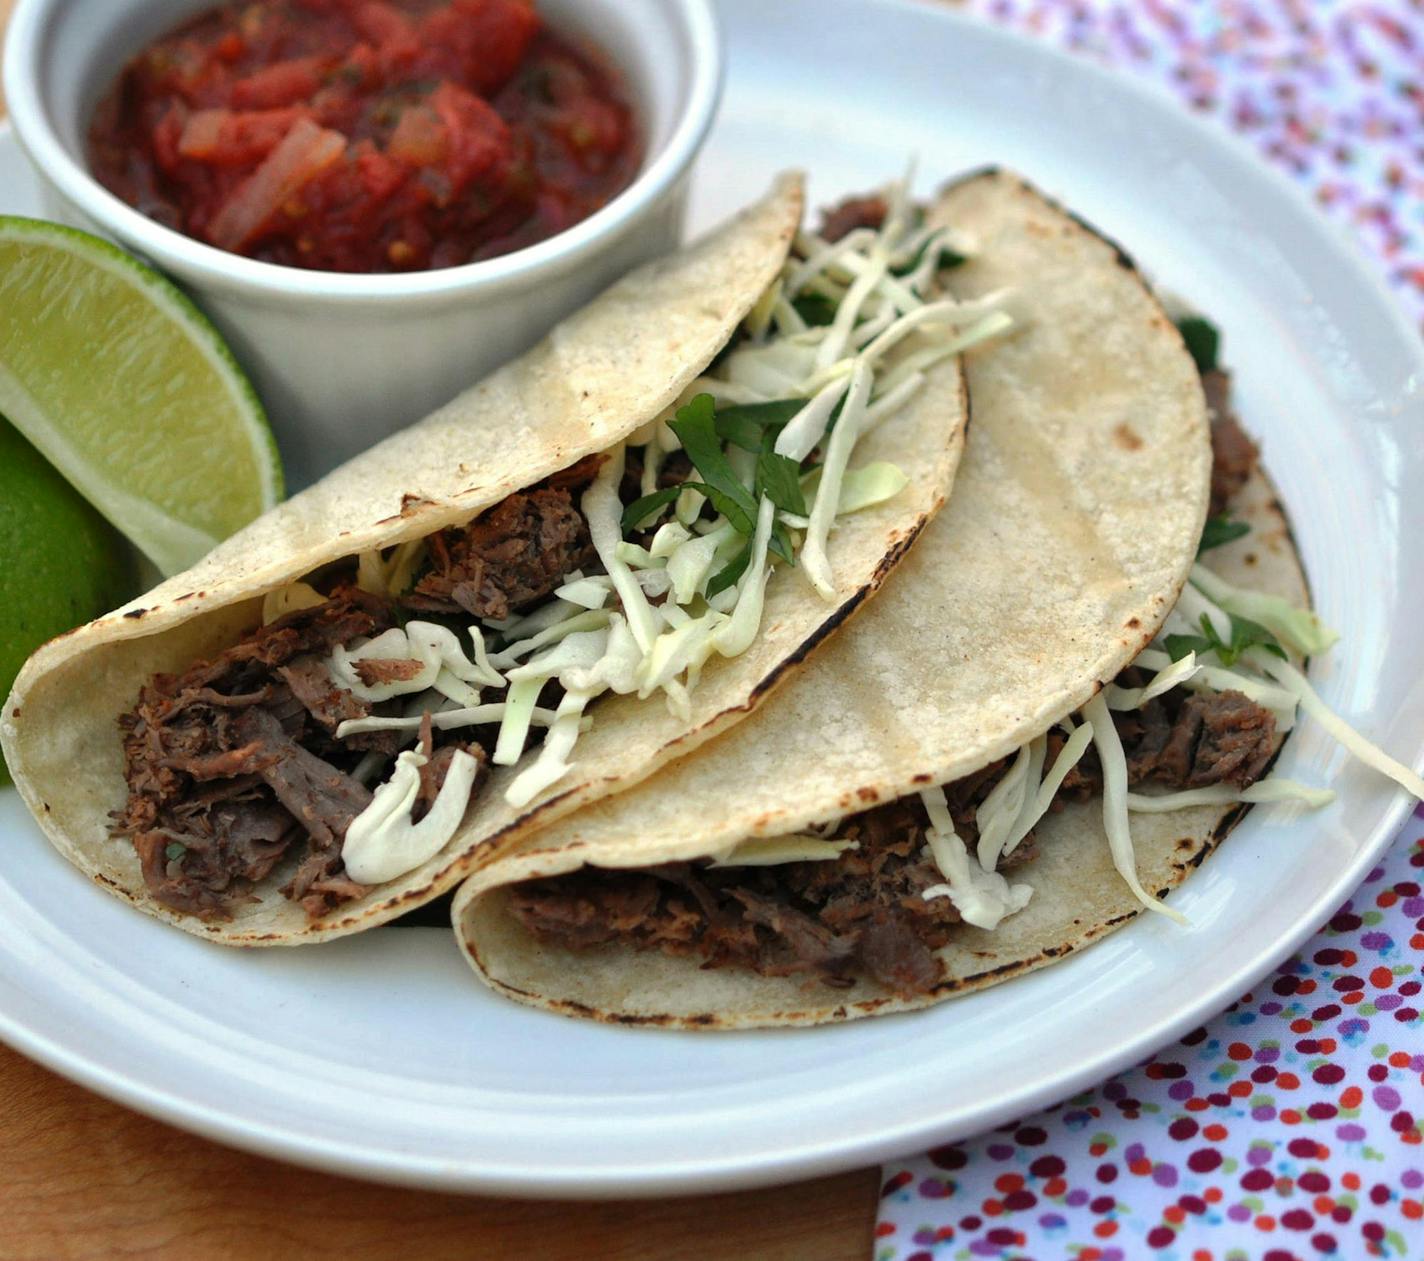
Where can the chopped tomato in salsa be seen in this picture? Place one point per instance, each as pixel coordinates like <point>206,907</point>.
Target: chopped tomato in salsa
<point>366,135</point>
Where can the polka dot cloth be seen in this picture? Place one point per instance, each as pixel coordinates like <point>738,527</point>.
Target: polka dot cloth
<point>1330,91</point>
<point>1290,1127</point>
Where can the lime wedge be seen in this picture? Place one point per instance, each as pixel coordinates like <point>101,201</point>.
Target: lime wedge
<point>127,389</point>
<point>61,563</point>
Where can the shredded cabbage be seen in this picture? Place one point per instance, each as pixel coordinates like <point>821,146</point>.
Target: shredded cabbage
<point>382,842</point>
<point>861,488</point>
<point>581,621</point>
<point>804,431</point>
<point>1169,676</point>
<point>982,898</point>
<point>518,714</point>
<point>1000,810</point>
<point>396,644</point>
<point>604,512</point>
<point>1371,755</point>
<point>552,764</point>
<point>443,719</point>
<point>772,851</point>
<point>735,635</point>
<point>587,593</point>
<point>814,561</point>
<point>1276,788</point>
<point>1114,764</point>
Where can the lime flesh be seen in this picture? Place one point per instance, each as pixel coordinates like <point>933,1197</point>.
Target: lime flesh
<point>126,388</point>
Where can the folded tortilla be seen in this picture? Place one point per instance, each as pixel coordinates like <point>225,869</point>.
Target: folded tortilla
<point>1074,524</point>
<point>596,379</point>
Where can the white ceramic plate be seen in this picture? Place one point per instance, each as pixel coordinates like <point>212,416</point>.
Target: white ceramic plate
<point>381,1056</point>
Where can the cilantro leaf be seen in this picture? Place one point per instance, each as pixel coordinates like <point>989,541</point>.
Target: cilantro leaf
<point>1248,634</point>
<point>1202,340</point>
<point>696,429</point>
<point>1179,645</point>
<point>778,477</point>
<point>780,543</point>
<point>1244,634</point>
<point>740,512</point>
<point>815,308</point>
<point>730,572</point>
<point>748,425</point>
<point>1220,530</point>
<point>641,509</point>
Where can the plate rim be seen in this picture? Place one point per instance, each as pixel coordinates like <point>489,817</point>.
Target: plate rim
<point>797,1161</point>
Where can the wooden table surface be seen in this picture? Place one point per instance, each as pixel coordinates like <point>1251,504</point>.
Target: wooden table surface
<point>81,1177</point>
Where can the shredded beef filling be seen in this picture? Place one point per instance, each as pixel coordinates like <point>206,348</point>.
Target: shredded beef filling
<point>513,555</point>
<point>1234,455</point>
<point>234,766</point>
<point>863,914</point>
<point>852,213</point>
<point>830,920</point>
<point>219,787</point>
<point>1178,742</point>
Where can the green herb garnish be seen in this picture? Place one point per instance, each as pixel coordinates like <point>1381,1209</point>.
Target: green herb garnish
<point>700,430</point>
<point>778,477</point>
<point>641,509</point>
<point>696,429</point>
<point>174,851</point>
<point>1202,340</point>
<point>1244,634</point>
<point>730,572</point>
<point>1219,531</point>
<point>815,308</point>
<point>748,424</point>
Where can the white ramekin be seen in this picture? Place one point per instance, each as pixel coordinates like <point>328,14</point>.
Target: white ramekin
<point>342,360</point>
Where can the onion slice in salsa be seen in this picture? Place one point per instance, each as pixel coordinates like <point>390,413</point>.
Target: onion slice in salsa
<point>305,153</point>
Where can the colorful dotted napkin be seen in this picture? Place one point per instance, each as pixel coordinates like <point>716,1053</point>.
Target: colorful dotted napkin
<point>1290,1127</point>
<point>1287,1128</point>
<point>1329,91</point>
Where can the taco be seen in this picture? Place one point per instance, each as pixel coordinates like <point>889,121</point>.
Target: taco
<point>593,561</point>
<point>1048,719</point>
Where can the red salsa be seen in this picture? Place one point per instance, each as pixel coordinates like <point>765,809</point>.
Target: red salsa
<point>366,135</point>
